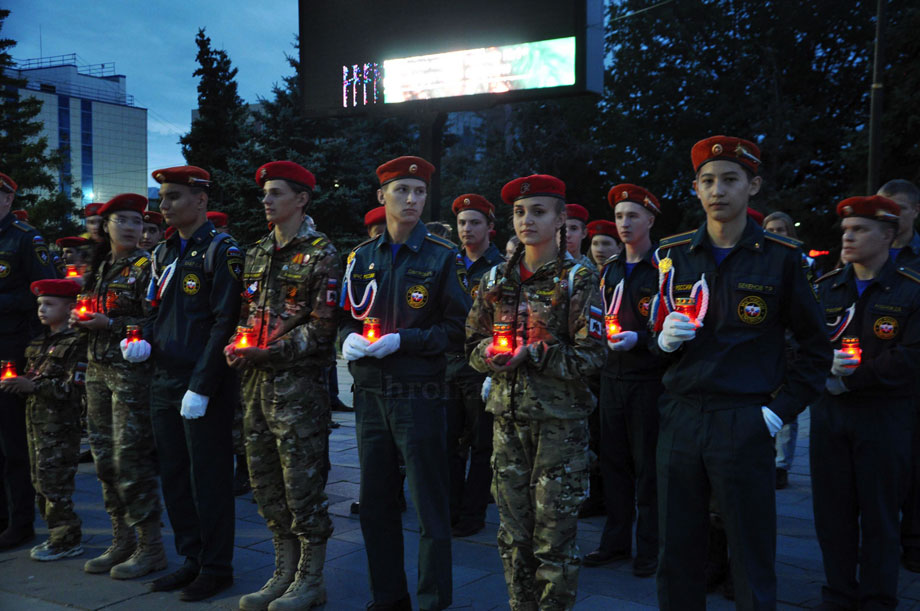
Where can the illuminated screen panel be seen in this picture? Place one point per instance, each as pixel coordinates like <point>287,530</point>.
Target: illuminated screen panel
<point>531,65</point>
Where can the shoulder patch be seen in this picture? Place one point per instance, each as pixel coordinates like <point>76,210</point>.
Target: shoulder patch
<point>676,240</point>
<point>781,239</point>
<point>22,225</point>
<point>829,274</point>
<point>440,241</point>
<point>141,262</point>
<point>910,273</point>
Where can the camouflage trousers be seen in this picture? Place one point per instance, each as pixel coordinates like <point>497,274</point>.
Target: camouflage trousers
<point>121,439</point>
<point>285,426</point>
<point>54,449</point>
<point>540,479</point>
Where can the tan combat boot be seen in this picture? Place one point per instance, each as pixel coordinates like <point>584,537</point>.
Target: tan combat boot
<point>308,589</point>
<point>123,545</point>
<point>149,555</point>
<point>287,553</point>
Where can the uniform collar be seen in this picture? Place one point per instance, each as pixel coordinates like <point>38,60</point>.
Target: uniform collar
<point>413,242</point>
<point>884,279</point>
<point>303,233</point>
<point>751,238</point>
<point>490,255</point>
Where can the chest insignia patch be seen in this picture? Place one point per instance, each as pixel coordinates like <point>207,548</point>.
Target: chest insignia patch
<point>474,292</point>
<point>885,327</point>
<point>5,269</point>
<point>752,310</point>
<point>191,284</point>
<point>644,305</point>
<point>417,296</point>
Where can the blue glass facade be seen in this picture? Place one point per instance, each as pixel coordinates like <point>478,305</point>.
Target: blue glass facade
<point>86,150</point>
<point>64,142</point>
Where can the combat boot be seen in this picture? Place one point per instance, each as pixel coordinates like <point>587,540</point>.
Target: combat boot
<point>308,589</point>
<point>149,555</point>
<point>287,553</point>
<point>123,545</point>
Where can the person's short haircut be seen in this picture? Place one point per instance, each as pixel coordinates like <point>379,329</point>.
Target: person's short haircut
<point>899,186</point>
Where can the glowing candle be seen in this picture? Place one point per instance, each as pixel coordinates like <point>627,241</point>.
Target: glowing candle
<point>72,271</point>
<point>245,338</point>
<point>133,333</point>
<point>850,345</point>
<point>613,325</point>
<point>8,370</point>
<point>686,306</point>
<point>84,307</point>
<point>502,339</point>
<point>371,329</point>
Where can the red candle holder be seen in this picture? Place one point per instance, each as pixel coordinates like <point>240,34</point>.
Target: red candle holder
<point>245,337</point>
<point>850,346</point>
<point>133,334</point>
<point>612,325</point>
<point>687,307</point>
<point>8,370</point>
<point>371,330</point>
<point>502,338</point>
<point>72,271</point>
<point>85,307</point>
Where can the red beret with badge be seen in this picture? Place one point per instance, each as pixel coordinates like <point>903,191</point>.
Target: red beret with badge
<point>535,185</point>
<point>124,202</point>
<point>285,170</point>
<point>376,216</point>
<point>471,201</point>
<point>627,192</point>
<point>873,207</point>
<point>7,184</point>
<point>188,175</point>
<point>153,217</point>
<point>405,167</point>
<point>577,212</point>
<point>92,210</point>
<point>22,215</point>
<point>55,288</point>
<point>73,242</point>
<point>602,227</point>
<point>729,148</point>
<point>219,219</point>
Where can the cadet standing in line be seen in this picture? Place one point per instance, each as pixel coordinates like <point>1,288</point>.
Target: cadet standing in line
<point>469,426</point>
<point>292,279</point>
<point>728,387</point>
<point>117,393</point>
<point>94,223</point>
<point>576,230</point>
<point>375,221</point>
<point>153,230</point>
<point>548,340</point>
<point>603,242</point>
<point>195,290</point>
<point>630,388</point>
<point>862,425</point>
<point>414,285</point>
<point>53,416</point>
<point>24,258</point>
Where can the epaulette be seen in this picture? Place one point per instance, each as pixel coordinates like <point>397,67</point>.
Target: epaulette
<point>827,275</point>
<point>140,262</point>
<point>677,240</point>
<point>365,242</point>
<point>440,241</point>
<point>611,259</point>
<point>912,274</point>
<point>582,271</point>
<point>781,239</point>
<point>23,226</point>
<point>318,242</point>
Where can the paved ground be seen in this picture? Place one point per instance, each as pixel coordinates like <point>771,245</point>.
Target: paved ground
<point>478,582</point>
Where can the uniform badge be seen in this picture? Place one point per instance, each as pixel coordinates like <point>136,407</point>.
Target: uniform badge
<point>596,323</point>
<point>351,257</point>
<point>716,149</point>
<point>41,252</point>
<point>885,327</point>
<point>191,284</point>
<point>474,292</point>
<point>252,289</point>
<point>298,259</point>
<point>332,292</point>
<point>644,305</point>
<point>5,269</point>
<point>417,296</point>
<point>752,310</point>
<point>235,265</point>
<point>413,168</point>
<point>665,265</point>
<point>525,187</point>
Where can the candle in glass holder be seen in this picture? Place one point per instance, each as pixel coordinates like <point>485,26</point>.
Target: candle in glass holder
<point>245,337</point>
<point>502,339</point>
<point>687,307</point>
<point>133,333</point>
<point>84,307</point>
<point>613,325</point>
<point>8,370</point>
<point>371,329</point>
<point>850,345</point>
<point>72,271</point>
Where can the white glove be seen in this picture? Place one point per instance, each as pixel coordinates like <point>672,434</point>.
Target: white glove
<point>193,405</point>
<point>627,341</point>
<point>385,346</point>
<point>486,387</point>
<point>135,352</point>
<point>354,347</point>
<point>844,364</point>
<point>774,422</point>
<point>835,386</point>
<point>676,330</point>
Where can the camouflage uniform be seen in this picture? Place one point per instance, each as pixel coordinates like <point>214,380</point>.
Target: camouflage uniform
<point>118,394</point>
<point>290,300</point>
<point>53,426</point>
<point>540,460</point>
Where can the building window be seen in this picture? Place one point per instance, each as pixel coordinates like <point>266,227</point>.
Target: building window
<point>66,173</point>
<point>86,152</point>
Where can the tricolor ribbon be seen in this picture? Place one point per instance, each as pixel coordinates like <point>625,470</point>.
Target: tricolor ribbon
<point>840,325</point>
<point>615,300</point>
<point>359,310</point>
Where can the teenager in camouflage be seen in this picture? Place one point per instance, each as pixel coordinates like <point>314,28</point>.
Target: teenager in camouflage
<point>546,307</point>
<point>118,393</point>
<point>284,343</point>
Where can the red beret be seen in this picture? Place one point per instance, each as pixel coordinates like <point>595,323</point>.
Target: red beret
<point>72,242</point>
<point>633,193</point>
<point>405,167</point>
<point>757,216</point>
<point>603,228</point>
<point>219,219</point>
<point>471,201</point>
<point>153,217</point>
<point>535,185</point>
<point>729,148</point>
<point>129,202</point>
<point>873,207</point>
<point>189,175</point>
<point>577,212</point>
<point>22,215</point>
<point>7,184</point>
<point>55,288</point>
<point>285,170</point>
<point>92,210</point>
<point>375,216</point>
